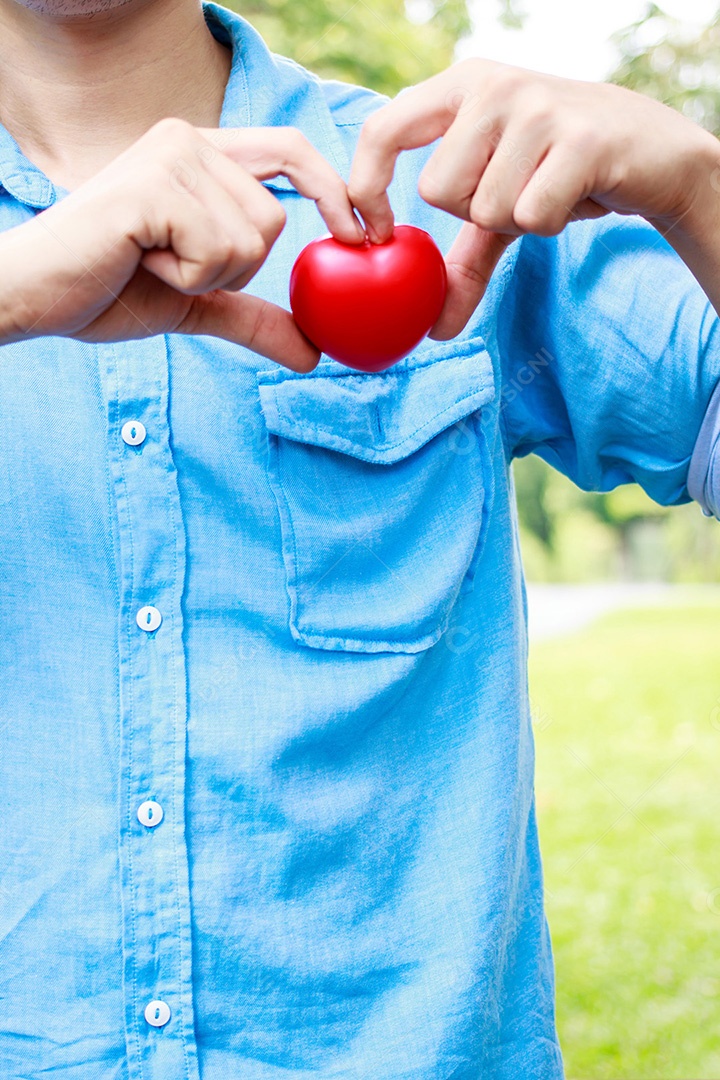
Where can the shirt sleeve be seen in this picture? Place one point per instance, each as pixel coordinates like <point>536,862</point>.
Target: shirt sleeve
<point>704,473</point>
<point>609,353</point>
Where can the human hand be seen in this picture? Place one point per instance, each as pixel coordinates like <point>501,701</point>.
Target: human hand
<point>163,239</point>
<point>522,152</point>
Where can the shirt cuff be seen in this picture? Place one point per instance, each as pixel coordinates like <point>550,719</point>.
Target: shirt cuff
<point>703,480</point>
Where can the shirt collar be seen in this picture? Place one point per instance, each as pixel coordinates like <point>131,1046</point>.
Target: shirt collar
<point>263,90</point>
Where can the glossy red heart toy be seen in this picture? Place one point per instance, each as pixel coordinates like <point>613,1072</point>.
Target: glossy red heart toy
<point>369,305</point>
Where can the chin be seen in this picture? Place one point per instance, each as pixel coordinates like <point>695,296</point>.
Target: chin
<point>72,8</point>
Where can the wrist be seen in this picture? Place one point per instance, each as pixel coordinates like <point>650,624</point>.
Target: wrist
<point>15,318</point>
<point>694,233</point>
<point>696,218</point>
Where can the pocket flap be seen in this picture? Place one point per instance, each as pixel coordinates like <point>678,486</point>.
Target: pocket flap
<point>379,417</point>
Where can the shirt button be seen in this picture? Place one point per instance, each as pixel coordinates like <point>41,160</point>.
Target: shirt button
<point>148,618</point>
<point>150,813</point>
<point>133,433</point>
<point>157,1013</point>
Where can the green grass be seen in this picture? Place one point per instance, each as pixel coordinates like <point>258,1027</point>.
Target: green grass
<point>628,778</point>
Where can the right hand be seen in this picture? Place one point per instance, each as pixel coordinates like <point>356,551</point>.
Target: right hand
<point>163,238</point>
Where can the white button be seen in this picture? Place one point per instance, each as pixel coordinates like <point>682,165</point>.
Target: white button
<point>133,433</point>
<point>157,1013</point>
<point>150,813</point>
<point>148,618</point>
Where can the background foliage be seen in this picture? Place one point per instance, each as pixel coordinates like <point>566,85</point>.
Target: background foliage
<point>627,732</point>
<point>384,44</point>
<point>660,57</point>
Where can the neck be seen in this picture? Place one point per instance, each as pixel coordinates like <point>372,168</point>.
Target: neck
<point>77,90</point>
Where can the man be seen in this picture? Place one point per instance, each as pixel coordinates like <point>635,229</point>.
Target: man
<point>267,756</point>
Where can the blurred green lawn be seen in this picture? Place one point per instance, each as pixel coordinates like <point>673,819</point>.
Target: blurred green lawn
<point>627,728</point>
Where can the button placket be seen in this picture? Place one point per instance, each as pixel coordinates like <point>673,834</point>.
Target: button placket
<point>155,880</point>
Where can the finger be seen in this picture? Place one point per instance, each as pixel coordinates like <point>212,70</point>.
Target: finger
<point>254,323</point>
<point>514,162</point>
<point>258,204</point>
<point>197,249</point>
<point>249,216</point>
<point>220,229</point>
<point>451,175</point>
<point>268,152</point>
<point>470,265</point>
<point>415,118</point>
<point>555,194</point>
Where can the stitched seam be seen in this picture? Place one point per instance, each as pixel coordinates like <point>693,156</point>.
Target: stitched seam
<point>507,271</point>
<point>131,702</point>
<point>487,479</point>
<point>164,396</point>
<point>407,438</point>
<point>117,566</point>
<point>373,645</point>
<point>273,378</point>
<point>295,594</point>
<point>710,479</point>
<point>176,715</point>
<point>324,119</point>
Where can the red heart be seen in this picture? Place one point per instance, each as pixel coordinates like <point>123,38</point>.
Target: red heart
<point>368,305</point>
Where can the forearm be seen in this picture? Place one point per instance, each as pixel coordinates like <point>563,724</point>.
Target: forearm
<point>695,235</point>
<point>14,325</point>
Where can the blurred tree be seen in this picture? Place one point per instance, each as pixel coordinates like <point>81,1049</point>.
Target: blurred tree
<point>532,479</point>
<point>673,62</point>
<point>383,44</point>
<point>512,14</point>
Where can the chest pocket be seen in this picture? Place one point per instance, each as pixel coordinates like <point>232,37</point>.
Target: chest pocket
<point>381,483</point>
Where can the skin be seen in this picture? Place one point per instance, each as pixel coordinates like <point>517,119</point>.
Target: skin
<point>130,252</point>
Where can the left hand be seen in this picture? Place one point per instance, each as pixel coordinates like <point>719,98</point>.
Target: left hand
<point>522,152</point>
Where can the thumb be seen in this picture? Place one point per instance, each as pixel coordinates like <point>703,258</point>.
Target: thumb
<point>470,264</point>
<point>257,324</point>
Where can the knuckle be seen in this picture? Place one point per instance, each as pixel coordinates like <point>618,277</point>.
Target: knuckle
<point>485,218</point>
<point>269,218</point>
<point>222,251</point>
<point>469,73</point>
<point>359,192</point>
<point>295,141</point>
<point>433,190</point>
<point>376,128</point>
<point>536,219</point>
<point>508,81</point>
<point>584,143</point>
<point>538,105</point>
<point>171,129</point>
<point>253,248</point>
<point>195,278</point>
<point>529,219</point>
<point>487,214</point>
<point>278,219</point>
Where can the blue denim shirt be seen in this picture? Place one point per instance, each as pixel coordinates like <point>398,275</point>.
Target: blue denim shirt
<point>267,760</point>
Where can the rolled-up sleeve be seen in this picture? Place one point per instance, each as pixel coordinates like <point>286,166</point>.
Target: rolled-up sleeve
<point>610,356</point>
<point>704,473</point>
